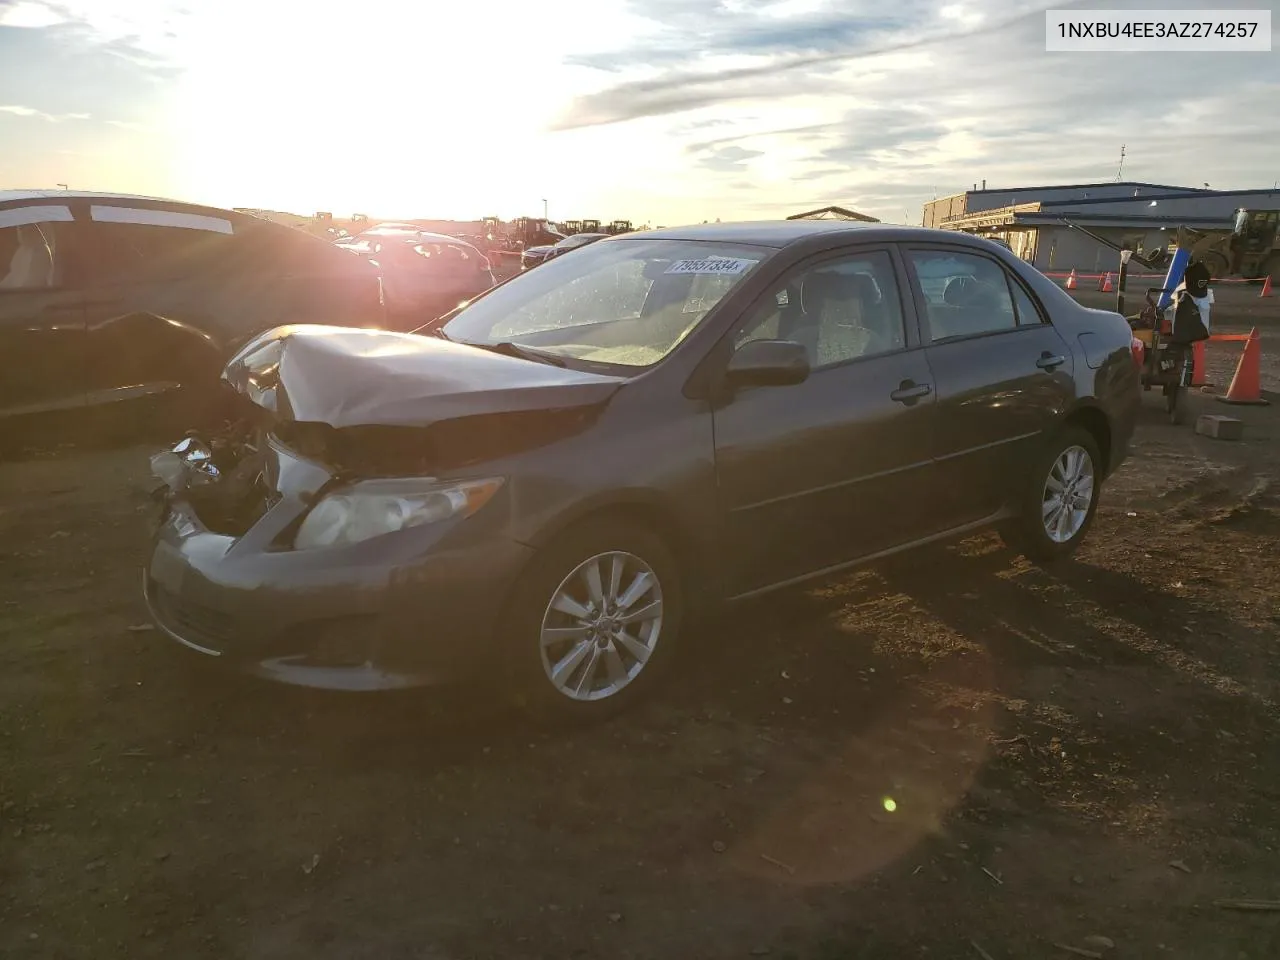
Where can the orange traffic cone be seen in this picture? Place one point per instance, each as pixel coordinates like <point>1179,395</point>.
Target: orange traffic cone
<point>1197,364</point>
<point>1071,280</point>
<point>1245,385</point>
<point>1106,284</point>
<point>1266,288</point>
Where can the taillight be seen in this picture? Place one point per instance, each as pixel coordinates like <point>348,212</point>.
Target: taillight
<point>1138,350</point>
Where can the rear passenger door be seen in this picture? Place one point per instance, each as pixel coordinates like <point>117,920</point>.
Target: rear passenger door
<point>1003,375</point>
<point>156,298</point>
<point>174,291</point>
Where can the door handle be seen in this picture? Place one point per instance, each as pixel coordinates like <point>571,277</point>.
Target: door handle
<point>909,392</point>
<point>1048,361</point>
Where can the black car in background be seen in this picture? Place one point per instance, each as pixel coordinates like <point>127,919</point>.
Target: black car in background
<point>538,491</point>
<point>534,256</point>
<point>107,298</point>
<point>424,275</point>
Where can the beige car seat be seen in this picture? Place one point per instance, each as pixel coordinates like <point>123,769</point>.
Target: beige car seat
<point>32,263</point>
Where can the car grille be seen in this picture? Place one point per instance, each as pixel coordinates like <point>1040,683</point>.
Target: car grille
<point>193,621</point>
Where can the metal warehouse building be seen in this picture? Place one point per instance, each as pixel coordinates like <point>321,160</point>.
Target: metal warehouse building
<point>1036,221</point>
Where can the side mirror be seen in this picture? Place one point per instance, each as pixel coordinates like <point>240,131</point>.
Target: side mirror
<point>768,363</point>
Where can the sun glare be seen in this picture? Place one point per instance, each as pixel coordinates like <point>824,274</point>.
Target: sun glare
<point>371,108</point>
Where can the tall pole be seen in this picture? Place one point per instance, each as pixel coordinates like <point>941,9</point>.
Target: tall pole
<point>544,212</point>
<point>1122,279</point>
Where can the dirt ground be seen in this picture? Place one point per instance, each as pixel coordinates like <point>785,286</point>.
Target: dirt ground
<point>954,755</point>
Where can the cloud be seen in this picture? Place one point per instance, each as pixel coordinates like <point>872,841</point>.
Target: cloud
<point>28,14</point>
<point>727,159</point>
<point>805,52</point>
<point>19,111</point>
<point>890,118</point>
<point>687,29</point>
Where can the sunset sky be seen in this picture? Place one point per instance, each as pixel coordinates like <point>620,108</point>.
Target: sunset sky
<point>659,111</point>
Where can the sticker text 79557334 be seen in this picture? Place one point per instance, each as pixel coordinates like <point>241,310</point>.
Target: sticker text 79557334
<point>712,265</point>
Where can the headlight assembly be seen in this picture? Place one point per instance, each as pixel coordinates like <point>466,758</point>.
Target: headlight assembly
<point>375,507</point>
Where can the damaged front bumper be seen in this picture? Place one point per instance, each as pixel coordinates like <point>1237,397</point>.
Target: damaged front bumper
<point>416,607</point>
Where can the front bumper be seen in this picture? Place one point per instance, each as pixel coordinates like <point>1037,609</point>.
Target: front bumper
<point>407,609</point>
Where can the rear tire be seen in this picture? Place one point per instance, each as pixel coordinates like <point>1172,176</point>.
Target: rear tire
<point>593,623</point>
<point>1061,498</point>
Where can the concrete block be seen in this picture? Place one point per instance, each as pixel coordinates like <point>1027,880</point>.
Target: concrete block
<point>1220,428</point>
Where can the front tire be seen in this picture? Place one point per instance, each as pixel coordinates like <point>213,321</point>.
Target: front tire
<point>593,623</point>
<point>1061,498</point>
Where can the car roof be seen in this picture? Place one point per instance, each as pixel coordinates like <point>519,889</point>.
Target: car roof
<point>13,197</point>
<point>18,198</point>
<point>781,233</point>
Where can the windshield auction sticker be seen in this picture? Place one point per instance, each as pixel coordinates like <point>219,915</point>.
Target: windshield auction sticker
<point>712,265</point>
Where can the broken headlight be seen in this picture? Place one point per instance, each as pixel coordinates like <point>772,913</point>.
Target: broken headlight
<point>190,463</point>
<point>375,507</point>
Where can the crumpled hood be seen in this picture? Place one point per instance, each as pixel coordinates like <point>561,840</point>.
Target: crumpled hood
<point>348,377</point>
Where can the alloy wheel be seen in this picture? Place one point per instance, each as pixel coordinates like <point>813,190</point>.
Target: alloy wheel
<point>601,626</point>
<point>1068,494</point>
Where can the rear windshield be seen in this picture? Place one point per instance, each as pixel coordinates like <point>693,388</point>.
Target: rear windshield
<point>436,258</point>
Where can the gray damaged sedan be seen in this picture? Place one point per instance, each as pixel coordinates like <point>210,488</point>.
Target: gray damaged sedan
<point>541,487</point>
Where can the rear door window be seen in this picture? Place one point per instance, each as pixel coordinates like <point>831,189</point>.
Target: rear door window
<point>124,252</point>
<point>965,295</point>
<point>445,259</point>
<point>147,246</point>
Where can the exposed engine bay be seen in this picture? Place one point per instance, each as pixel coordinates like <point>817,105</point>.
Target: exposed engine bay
<point>229,478</point>
<point>363,405</point>
<point>223,477</point>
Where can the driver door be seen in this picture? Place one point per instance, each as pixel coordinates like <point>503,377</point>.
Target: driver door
<point>838,467</point>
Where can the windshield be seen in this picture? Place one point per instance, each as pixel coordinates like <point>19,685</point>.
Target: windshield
<point>621,302</point>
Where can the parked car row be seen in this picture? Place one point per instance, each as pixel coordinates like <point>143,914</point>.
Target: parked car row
<point>537,491</point>
<point>424,275</point>
<point>109,298</point>
<point>533,256</point>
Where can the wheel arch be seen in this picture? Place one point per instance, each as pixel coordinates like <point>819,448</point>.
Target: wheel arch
<point>648,510</point>
<point>1093,419</point>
